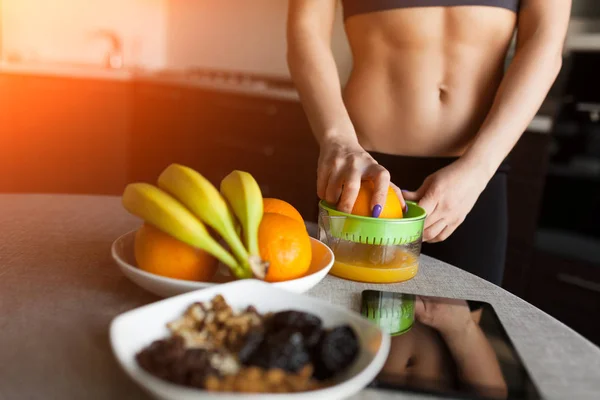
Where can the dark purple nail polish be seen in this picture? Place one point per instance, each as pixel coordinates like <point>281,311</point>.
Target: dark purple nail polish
<point>377,211</point>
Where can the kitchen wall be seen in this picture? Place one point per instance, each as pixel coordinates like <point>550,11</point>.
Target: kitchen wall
<point>238,35</point>
<point>60,30</point>
<point>228,34</point>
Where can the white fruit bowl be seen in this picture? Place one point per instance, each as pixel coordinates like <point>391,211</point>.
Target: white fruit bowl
<point>123,253</point>
<point>131,331</point>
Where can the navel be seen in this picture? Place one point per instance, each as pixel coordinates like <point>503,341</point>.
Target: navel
<point>443,92</point>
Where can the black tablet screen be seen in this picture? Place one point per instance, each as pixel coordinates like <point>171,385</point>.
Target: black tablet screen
<point>447,347</point>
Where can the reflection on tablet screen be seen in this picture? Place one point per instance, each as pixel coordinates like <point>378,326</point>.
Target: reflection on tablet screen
<point>447,347</point>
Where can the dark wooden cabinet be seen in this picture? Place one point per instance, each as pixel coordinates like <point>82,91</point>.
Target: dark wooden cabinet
<point>163,132</point>
<point>567,289</point>
<point>66,135</point>
<point>216,132</point>
<point>564,287</point>
<point>71,135</point>
<point>528,166</point>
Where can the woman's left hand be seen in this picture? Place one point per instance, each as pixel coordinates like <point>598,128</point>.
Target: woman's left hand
<point>448,196</point>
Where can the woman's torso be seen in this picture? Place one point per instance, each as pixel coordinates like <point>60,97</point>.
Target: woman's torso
<point>424,79</point>
<point>420,357</point>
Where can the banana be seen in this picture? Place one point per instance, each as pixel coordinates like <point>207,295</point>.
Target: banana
<point>243,194</point>
<point>158,208</point>
<point>199,195</point>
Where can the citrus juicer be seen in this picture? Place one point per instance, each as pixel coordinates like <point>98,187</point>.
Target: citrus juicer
<point>392,312</point>
<point>375,250</point>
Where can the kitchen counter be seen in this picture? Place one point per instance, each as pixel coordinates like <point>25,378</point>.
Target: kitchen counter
<point>66,71</point>
<point>59,290</point>
<point>251,87</point>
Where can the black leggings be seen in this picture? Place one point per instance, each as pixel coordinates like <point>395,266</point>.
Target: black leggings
<point>478,245</point>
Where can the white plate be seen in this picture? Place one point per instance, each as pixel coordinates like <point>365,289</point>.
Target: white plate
<point>131,331</point>
<point>123,254</point>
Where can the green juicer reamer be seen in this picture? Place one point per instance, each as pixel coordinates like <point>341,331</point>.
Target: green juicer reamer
<point>375,231</point>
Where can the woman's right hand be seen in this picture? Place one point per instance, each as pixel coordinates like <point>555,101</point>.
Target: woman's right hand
<point>341,168</point>
<point>448,316</point>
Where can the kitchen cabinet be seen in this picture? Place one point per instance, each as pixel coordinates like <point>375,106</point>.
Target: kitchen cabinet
<point>164,130</point>
<point>67,135</point>
<point>7,159</point>
<point>216,132</point>
<point>568,290</point>
<point>528,165</point>
<point>76,135</point>
<point>270,139</point>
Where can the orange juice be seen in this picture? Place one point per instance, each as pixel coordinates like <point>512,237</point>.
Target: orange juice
<point>375,264</point>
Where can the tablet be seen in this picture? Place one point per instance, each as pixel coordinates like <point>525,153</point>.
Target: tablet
<point>446,347</point>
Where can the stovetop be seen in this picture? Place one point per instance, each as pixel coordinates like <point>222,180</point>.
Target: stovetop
<point>228,77</point>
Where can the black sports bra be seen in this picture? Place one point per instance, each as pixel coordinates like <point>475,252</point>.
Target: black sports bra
<point>354,7</point>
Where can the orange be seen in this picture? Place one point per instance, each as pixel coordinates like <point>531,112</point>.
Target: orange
<point>278,206</point>
<point>362,206</point>
<point>161,254</point>
<point>285,244</point>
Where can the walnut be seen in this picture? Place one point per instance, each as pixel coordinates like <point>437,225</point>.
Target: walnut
<point>183,323</point>
<point>196,312</point>
<point>193,339</point>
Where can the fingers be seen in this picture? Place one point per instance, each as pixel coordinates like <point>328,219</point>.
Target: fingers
<point>419,307</point>
<point>381,180</point>
<point>351,187</point>
<point>334,187</point>
<point>443,235</point>
<point>429,204</point>
<point>400,195</point>
<point>411,196</point>
<point>322,179</point>
<point>339,177</point>
<point>434,230</point>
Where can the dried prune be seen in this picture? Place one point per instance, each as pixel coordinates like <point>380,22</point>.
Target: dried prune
<point>308,324</point>
<point>161,356</point>
<point>284,349</point>
<point>251,343</point>
<point>195,366</point>
<point>336,350</point>
<point>168,359</point>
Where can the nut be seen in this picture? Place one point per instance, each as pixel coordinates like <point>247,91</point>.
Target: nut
<point>215,327</point>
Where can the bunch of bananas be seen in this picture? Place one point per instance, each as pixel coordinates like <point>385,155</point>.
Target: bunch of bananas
<point>184,202</point>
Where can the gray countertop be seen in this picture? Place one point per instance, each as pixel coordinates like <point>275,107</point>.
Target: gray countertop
<point>59,290</point>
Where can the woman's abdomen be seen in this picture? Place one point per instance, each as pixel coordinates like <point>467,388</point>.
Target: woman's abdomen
<point>421,97</point>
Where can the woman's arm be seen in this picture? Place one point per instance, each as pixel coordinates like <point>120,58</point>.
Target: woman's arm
<point>314,71</point>
<point>449,194</point>
<point>472,353</point>
<point>476,361</point>
<point>538,58</point>
<point>342,161</point>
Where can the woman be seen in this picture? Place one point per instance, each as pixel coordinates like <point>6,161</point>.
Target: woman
<point>428,106</point>
<point>445,350</point>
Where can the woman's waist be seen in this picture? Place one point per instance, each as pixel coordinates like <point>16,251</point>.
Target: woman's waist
<point>414,131</point>
<point>420,87</point>
<point>418,116</point>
